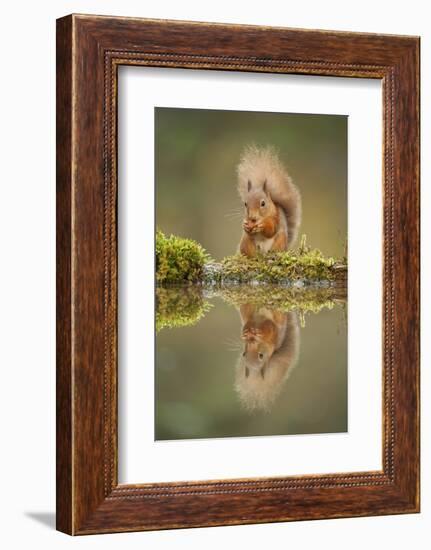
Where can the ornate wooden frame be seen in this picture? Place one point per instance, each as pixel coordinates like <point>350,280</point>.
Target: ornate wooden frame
<point>89,51</point>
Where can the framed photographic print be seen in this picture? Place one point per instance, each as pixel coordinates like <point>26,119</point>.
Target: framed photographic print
<point>237,274</point>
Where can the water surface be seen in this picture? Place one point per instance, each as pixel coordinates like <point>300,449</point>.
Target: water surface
<point>226,369</point>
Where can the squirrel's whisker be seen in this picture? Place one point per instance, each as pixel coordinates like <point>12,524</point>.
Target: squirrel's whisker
<point>233,216</point>
<point>233,344</point>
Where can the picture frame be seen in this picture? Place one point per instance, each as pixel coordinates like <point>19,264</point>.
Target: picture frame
<point>89,51</point>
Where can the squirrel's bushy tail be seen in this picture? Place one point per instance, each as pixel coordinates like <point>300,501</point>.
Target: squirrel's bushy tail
<point>259,164</point>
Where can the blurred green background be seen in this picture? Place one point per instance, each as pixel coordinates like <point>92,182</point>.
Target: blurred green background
<point>197,152</point>
<point>196,156</point>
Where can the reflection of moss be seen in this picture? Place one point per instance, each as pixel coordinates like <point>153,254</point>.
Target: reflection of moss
<point>307,300</point>
<point>179,307</point>
<point>178,260</point>
<point>185,306</point>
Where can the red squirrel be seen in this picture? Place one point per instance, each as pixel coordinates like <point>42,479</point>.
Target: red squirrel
<point>272,202</point>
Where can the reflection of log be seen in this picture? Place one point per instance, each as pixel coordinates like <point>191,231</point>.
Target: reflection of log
<point>306,299</point>
<point>186,305</point>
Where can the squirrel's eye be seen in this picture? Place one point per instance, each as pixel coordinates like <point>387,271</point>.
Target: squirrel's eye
<point>262,203</point>
<point>260,355</point>
<point>245,204</point>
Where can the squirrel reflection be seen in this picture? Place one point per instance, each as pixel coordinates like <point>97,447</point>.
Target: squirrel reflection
<point>271,347</point>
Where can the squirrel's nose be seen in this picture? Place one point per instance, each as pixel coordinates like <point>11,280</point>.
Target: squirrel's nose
<point>253,220</point>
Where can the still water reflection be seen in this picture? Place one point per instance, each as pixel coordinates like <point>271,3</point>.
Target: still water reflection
<point>239,363</point>
<point>270,350</point>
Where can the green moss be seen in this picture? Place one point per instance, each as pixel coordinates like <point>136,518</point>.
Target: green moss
<point>179,307</point>
<point>303,264</point>
<point>301,280</point>
<point>184,261</point>
<point>178,260</point>
<point>276,267</point>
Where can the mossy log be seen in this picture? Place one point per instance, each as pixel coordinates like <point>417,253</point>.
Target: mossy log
<point>290,269</point>
<point>184,261</point>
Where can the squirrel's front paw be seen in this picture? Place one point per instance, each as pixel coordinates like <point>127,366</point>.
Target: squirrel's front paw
<point>247,227</point>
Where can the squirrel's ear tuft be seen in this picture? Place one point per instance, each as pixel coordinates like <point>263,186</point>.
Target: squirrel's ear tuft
<point>264,186</point>
<point>248,185</point>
